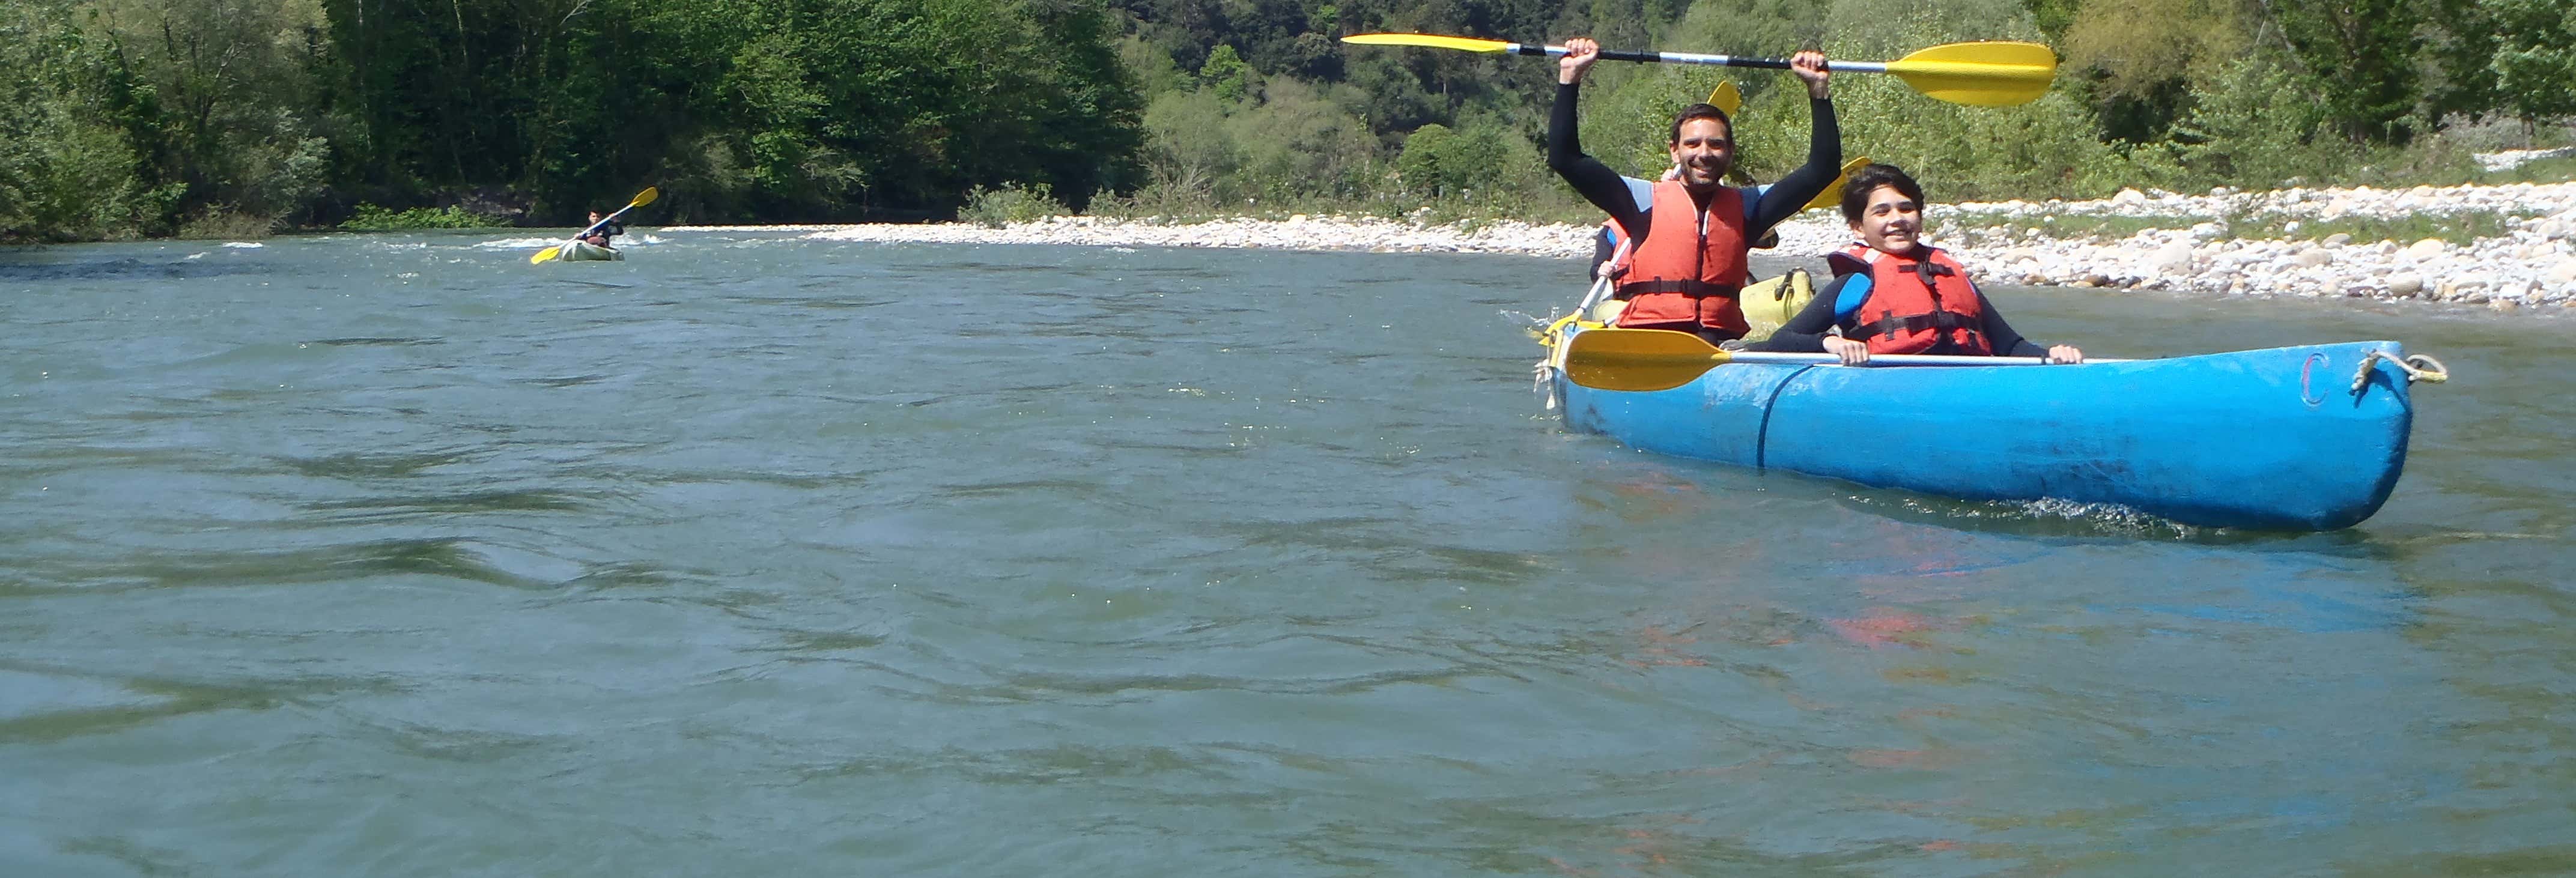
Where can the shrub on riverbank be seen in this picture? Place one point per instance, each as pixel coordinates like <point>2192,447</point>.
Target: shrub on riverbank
<point>1003,205</point>
<point>370,218</point>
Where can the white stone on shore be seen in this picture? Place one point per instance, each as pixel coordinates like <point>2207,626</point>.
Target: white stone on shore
<point>2404,284</point>
<point>2172,259</point>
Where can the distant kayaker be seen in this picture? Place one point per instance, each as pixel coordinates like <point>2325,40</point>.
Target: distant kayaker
<point>599,237</point>
<point>1684,275</point>
<point>1894,294</point>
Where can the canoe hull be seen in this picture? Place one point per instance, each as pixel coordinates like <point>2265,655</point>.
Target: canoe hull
<point>2269,439</point>
<point>584,251</point>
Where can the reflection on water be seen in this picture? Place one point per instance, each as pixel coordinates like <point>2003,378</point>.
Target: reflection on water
<point>760,555</point>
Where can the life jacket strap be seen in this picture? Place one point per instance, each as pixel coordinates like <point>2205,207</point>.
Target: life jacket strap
<point>1697,289</point>
<point>1944,321</point>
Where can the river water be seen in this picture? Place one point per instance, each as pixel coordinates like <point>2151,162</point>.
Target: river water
<point>754,555</point>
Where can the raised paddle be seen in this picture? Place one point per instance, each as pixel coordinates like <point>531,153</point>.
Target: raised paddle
<point>641,198</point>
<point>1661,359</point>
<point>1991,74</point>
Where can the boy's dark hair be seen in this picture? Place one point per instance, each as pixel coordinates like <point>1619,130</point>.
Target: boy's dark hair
<point>1861,183</point>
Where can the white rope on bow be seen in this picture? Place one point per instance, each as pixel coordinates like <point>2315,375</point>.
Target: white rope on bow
<point>2418,367</point>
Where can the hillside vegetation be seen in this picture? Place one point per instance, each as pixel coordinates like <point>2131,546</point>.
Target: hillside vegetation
<point>123,118</point>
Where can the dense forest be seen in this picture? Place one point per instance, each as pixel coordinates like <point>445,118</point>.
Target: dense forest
<point>123,118</point>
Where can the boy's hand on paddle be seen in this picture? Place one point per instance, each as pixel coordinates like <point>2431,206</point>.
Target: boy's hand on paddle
<point>1810,66</point>
<point>1580,52</point>
<point>2064,354</point>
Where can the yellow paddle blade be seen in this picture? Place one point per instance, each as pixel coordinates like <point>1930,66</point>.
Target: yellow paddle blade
<point>646,197</point>
<point>545,254</point>
<point>1993,74</point>
<point>1990,53</point>
<point>1436,41</point>
<point>1833,195</point>
<point>1638,359</point>
<point>1726,98</point>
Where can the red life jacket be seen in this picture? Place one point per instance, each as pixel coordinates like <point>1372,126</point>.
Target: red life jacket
<point>1685,273</point>
<point>1919,303</point>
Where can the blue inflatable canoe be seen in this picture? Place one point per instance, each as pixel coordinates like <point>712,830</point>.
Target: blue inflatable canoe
<point>2304,438</point>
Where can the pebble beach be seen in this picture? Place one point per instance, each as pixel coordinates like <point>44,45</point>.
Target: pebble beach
<point>2526,260</point>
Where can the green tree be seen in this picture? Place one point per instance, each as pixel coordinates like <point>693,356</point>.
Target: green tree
<point>2255,125</point>
<point>229,102</point>
<point>1300,144</point>
<point>1483,160</point>
<point>68,168</point>
<point>2362,55</point>
<point>1226,75</point>
<point>2458,54</point>
<point>1186,154</point>
<point>2535,56</point>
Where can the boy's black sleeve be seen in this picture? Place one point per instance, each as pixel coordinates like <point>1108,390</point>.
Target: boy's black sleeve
<point>1805,333</point>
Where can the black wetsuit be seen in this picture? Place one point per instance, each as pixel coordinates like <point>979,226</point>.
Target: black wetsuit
<point>1805,333</point>
<point>607,232</point>
<point>1768,205</point>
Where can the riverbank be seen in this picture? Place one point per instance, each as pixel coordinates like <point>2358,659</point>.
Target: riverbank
<point>2507,247</point>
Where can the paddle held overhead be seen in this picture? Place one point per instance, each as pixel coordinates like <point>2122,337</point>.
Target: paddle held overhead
<point>1986,74</point>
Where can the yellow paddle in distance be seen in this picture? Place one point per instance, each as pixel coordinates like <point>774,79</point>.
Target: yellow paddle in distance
<point>1985,74</point>
<point>641,198</point>
<point>1661,359</point>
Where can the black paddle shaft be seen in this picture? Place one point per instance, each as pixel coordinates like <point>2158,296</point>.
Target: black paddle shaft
<point>1658,57</point>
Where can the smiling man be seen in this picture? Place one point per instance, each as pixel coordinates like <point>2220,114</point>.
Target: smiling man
<point>1683,273</point>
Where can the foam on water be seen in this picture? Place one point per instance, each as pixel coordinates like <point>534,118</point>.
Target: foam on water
<point>519,243</point>
<point>2046,515</point>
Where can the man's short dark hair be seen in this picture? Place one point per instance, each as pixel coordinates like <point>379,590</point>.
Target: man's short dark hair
<point>1701,111</point>
<point>1861,183</point>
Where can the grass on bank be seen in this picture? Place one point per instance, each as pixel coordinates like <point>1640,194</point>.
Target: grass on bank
<point>370,218</point>
<point>2458,228</point>
<point>2554,170</point>
<point>219,224</point>
<point>1006,205</point>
